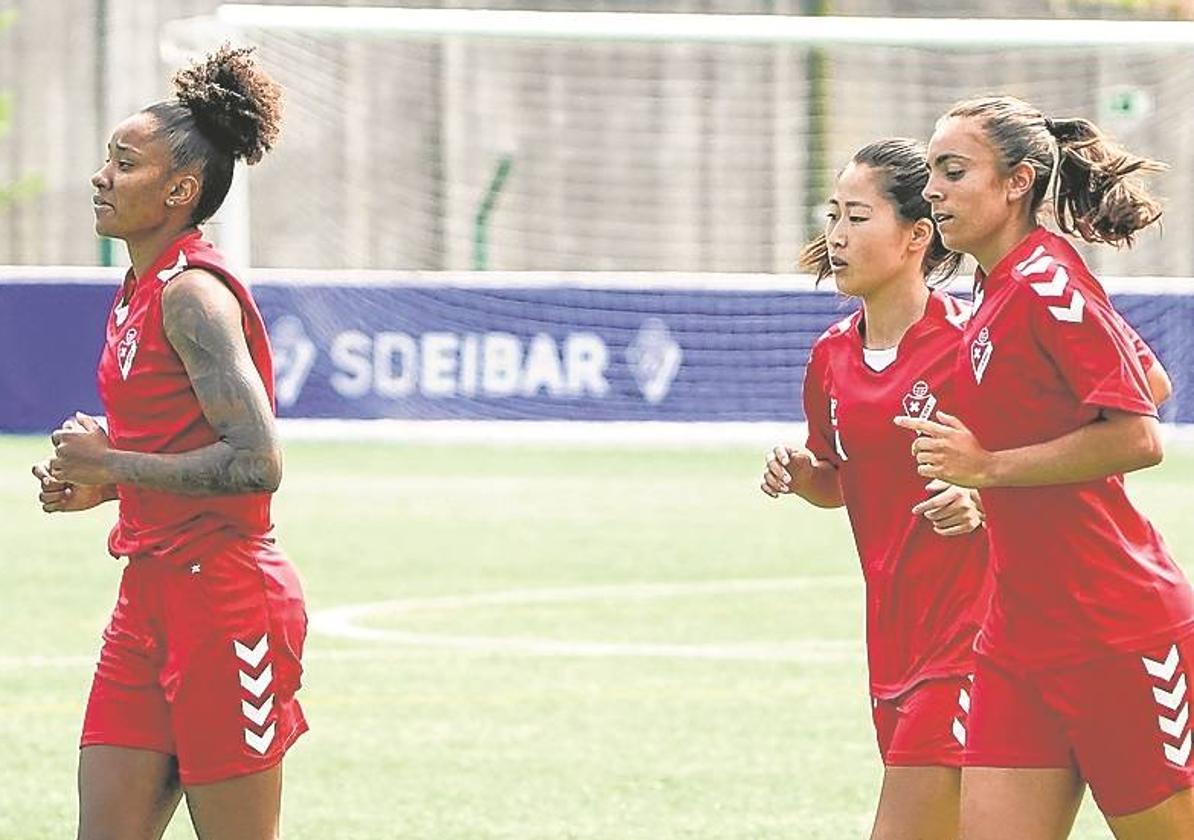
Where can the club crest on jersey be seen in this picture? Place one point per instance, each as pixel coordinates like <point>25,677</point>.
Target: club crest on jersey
<point>980,353</point>
<point>125,351</point>
<point>920,402</point>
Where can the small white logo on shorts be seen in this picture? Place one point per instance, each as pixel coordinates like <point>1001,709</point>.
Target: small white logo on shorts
<point>1170,692</point>
<point>256,708</point>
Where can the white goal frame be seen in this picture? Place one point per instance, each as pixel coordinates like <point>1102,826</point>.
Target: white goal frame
<point>946,33</point>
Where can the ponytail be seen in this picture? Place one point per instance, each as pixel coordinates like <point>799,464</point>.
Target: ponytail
<point>1095,196</point>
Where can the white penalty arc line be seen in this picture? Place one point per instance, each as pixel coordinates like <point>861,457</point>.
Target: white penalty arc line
<point>344,622</point>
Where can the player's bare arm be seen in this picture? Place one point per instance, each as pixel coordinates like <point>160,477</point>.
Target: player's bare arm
<point>1118,442</point>
<point>202,319</point>
<point>1160,386</point>
<point>796,471</point>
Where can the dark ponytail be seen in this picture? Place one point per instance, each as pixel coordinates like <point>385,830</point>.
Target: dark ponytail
<point>1097,195</point>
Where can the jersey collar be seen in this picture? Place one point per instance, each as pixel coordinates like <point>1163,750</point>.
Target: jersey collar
<point>1002,272</point>
<point>934,313</point>
<point>165,266</point>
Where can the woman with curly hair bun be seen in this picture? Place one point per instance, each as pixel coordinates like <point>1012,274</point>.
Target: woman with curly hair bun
<point>194,692</point>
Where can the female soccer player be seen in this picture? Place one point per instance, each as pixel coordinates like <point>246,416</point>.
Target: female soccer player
<point>195,688</point>
<point>1082,661</point>
<point>924,562</point>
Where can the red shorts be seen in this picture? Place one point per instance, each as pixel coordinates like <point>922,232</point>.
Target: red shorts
<point>1122,723</point>
<point>926,725</point>
<point>201,660</point>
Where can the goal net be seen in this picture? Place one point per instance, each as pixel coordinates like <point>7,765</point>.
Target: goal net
<point>454,139</point>
<point>672,164</point>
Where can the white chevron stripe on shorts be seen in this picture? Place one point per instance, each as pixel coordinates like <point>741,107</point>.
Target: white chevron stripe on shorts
<point>1170,693</point>
<point>257,708</point>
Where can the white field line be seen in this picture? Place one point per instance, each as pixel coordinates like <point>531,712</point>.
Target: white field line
<point>615,434</point>
<point>581,433</point>
<point>342,622</point>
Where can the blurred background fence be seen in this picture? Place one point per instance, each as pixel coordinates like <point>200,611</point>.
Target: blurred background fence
<point>455,153</point>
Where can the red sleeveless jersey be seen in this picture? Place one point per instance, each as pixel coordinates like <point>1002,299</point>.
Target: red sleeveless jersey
<point>151,407</point>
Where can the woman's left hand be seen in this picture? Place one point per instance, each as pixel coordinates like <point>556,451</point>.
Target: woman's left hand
<point>81,448</point>
<point>954,511</point>
<point>948,450</point>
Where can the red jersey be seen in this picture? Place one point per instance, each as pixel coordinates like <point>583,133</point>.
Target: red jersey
<point>151,407</point>
<point>926,593</point>
<point>1080,573</point>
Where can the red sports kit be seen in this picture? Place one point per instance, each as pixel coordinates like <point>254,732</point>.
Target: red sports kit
<point>925,593</point>
<point>1083,656</point>
<point>201,658</point>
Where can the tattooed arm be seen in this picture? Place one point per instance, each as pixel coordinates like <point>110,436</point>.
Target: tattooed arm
<point>202,320</point>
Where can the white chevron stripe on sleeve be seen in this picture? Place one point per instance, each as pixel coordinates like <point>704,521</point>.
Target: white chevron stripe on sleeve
<point>1174,728</point>
<point>261,742</point>
<point>257,686</point>
<point>959,732</point>
<point>1162,670</point>
<point>1032,261</point>
<point>1171,699</point>
<point>1054,287</point>
<point>1071,314</point>
<point>255,714</point>
<point>252,655</point>
<point>964,700</point>
<point>1180,754</point>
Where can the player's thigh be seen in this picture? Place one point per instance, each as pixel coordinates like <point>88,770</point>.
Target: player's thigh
<point>126,794</point>
<point>244,808</point>
<point>1127,717</point>
<point>1172,819</point>
<point>235,639</point>
<point>1024,803</point>
<point>918,803</point>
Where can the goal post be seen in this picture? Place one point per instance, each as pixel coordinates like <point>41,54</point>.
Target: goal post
<point>939,33</point>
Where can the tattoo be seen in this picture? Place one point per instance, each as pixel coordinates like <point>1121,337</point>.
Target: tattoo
<point>202,320</point>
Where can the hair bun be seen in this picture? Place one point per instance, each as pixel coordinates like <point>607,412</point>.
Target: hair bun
<point>235,104</point>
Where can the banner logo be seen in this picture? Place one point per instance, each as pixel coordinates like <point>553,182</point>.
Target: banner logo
<point>654,358</point>
<point>294,356</point>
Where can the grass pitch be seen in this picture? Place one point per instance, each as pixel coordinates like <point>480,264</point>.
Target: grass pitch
<point>552,644</point>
